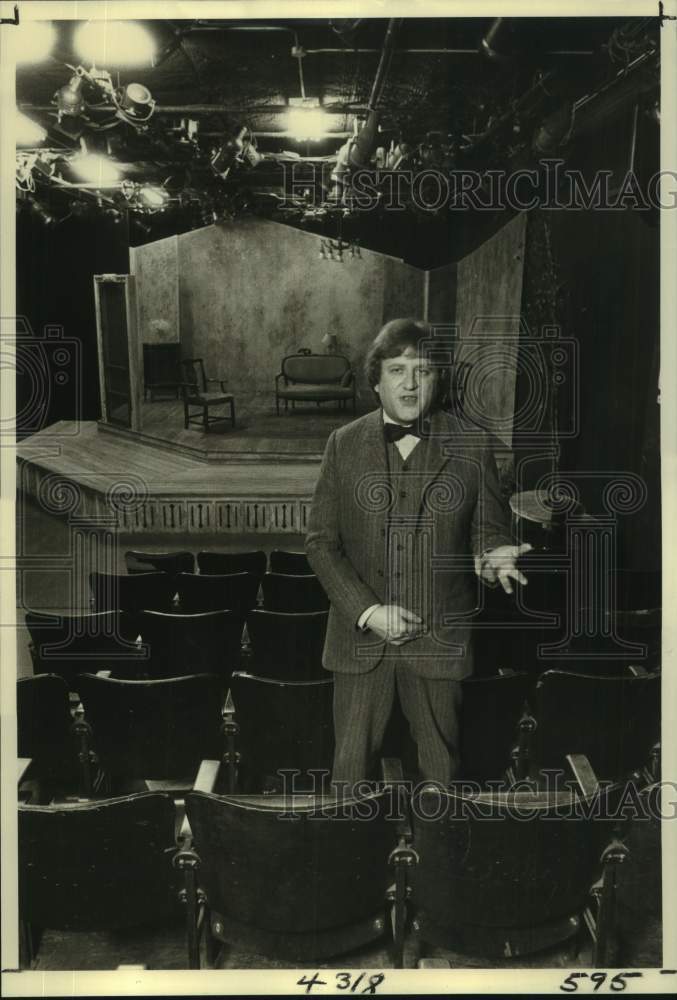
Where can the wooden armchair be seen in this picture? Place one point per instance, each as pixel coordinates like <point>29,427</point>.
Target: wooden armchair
<point>195,392</point>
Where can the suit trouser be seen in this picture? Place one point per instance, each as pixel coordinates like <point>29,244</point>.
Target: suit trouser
<point>362,707</point>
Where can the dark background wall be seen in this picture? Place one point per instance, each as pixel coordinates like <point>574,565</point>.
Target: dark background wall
<point>595,274</point>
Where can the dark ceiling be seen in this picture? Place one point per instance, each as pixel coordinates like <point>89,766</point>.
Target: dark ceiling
<point>445,99</point>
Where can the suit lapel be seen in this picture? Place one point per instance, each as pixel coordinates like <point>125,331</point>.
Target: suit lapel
<point>372,456</point>
<point>438,455</point>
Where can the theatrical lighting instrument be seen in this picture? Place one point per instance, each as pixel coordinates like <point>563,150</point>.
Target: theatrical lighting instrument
<point>69,98</point>
<point>114,43</point>
<point>152,198</point>
<point>134,103</point>
<point>144,198</point>
<point>307,123</point>
<point>239,148</point>
<point>32,41</point>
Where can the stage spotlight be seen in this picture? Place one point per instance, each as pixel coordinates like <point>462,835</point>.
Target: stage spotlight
<point>230,149</point>
<point>32,41</point>
<point>69,99</point>
<point>136,101</point>
<point>95,169</point>
<point>308,123</point>
<point>114,43</point>
<point>152,198</point>
<point>28,132</point>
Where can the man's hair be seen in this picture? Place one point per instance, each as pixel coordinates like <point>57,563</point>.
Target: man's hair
<point>392,340</point>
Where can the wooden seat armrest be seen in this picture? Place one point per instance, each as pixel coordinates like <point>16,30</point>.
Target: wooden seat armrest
<point>207,776</point>
<point>635,670</point>
<point>104,673</point>
<point>22,765</point>
<point>506,672</point>
<point>586,779</point>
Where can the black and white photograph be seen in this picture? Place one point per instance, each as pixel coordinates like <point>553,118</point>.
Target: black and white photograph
<point>338,445</point>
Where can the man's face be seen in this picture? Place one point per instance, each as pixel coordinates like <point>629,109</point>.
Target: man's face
<point>406,386</point>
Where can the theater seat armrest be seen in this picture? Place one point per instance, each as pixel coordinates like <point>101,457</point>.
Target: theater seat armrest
<point>636,671</point>
<point>206,776</point>
<point>104,673</point>
<point>506,672</point>
<point>586,779</point>
<point>23,763</point>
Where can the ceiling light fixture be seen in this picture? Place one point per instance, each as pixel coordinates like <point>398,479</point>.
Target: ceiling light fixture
<point>114,43</point>
<point>307,122</point>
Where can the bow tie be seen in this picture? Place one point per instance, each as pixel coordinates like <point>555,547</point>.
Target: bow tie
<point>394,432</point>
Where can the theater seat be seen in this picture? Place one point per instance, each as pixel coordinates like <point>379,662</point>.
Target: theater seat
<point>614,721</point>
<point>298,879</point>
<point>217,592</point>
<point>508,874</point>
<point>96,865</point>
<point>293,593</point>
<point>287,646</point>
<point>156,730</point>
<point>181,644</point>
<point>282,725</point>
<point>253,562</point>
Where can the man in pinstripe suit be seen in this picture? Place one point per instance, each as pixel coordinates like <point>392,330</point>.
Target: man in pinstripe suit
<point>406,510</point>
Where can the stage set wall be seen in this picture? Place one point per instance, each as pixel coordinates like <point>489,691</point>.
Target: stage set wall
<point>252,291</point>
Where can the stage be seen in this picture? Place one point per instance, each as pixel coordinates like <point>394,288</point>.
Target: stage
<point>256,478</point>
<point>297,434</point>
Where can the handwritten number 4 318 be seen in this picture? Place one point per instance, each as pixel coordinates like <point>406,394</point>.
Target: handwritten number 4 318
<point>345,981</point>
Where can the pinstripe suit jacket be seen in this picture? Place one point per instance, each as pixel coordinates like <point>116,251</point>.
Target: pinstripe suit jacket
<point>460,513</point>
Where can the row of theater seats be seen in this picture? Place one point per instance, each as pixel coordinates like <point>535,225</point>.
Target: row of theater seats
<point>140,730</point>
<point>197,592</point>
<point>302,879</point>
<point>155,644</point>
<point>254,561</point>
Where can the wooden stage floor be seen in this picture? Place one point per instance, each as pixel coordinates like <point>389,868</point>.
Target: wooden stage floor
<point>299,433</point>
<point>151,486</point>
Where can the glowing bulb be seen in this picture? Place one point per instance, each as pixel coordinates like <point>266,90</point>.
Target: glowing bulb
<point>307,123</point>
<point>95,169</point>
<point>114,43</point>
<point>32,41</point>
<point>28,132</point>
<point>153,197</point>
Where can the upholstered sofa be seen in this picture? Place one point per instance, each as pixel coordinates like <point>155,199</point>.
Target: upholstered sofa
<point>314,378</point>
